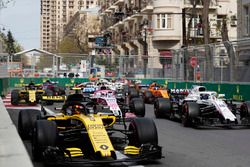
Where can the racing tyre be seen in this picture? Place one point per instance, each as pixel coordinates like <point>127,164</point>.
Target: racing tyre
<point>15,97</point>
<point>49,92</point>
<point>61,90</point>
<point>162,107</point>
<point>44,135</point>
<point>143,132</point>
<point>137,106</point>
<point>245,110</point>
<point>26,122</point>
<point>190,111</point>
<point>148,97</point>
<point>133,93</point>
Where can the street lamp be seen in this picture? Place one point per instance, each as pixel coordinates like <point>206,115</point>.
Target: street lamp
<point>145,48</point>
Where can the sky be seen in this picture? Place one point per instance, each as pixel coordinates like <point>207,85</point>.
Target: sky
<point>22,18</point>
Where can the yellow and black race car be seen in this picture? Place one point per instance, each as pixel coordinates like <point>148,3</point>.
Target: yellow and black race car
<point>80,135</point>
<point>30,94</point>
<point>34,93</point>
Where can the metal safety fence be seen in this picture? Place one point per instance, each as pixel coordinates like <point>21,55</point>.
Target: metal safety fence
<point>218,62</point>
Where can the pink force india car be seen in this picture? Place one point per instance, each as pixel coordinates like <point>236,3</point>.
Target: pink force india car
<point>109,103</point>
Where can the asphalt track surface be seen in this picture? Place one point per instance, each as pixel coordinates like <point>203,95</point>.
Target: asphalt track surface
<point>189,147</point>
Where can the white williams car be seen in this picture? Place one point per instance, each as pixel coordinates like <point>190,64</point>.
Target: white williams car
<point>207,108</point>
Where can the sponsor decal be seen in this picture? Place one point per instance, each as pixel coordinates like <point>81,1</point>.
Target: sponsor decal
<point>104,147</point>
<point>53,98</point>
<point>238,89</point>
<point>179,91</point>
<point>95,126</point>
<point>238,97</point>
<point>21,80</point>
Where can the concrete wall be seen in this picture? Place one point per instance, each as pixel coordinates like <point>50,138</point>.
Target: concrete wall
<point>12,150</point>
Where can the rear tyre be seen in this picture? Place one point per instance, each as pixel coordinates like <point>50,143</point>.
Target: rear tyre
<point>26,122</point>
<point>61,90</point>
<point>15,97</point>
<point>133,93</point>
<point>137,106</point>
<point>143,132</point>
<point>45,134</point>
<point>162,107</point>
<point>148,97</point>
<point>49,92</point>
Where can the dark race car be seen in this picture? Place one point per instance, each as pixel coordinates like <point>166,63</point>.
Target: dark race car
<point>53,92</point>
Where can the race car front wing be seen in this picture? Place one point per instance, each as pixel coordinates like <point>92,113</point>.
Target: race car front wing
<point>54,156</point>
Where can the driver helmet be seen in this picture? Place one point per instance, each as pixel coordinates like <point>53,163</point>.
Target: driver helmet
<point>156,88</point>
<point>103,87</point>
<point>204,96</point>
<point>76,109</point>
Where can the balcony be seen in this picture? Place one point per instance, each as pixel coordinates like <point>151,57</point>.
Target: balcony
<point>213,4</point>
<point>119,2</point>
<point>118,24</point>
<point>112,7</point>
<point>147,6</point>
<point>128,19</point>
<point>166,35</point>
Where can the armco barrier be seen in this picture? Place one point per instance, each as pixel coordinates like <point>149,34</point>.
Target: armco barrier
<point>235,91</point>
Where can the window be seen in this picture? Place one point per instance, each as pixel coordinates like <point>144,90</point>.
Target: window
<point>158,21</point>
<point>169,21</point>
<point>246,13</point>
<point>164,21</point>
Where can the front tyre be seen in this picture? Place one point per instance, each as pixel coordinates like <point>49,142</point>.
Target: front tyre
<point>45,134</point>
<point>143,132</point>
<point>162,107</point>
<point>245,110</point>
<point>137,106</point>
<point>26,122</point>
<point>15,97</point>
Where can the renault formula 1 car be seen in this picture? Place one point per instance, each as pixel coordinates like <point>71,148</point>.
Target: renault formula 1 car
<point>79,134</point>
<point>30,94</point>
<point>35,93</point>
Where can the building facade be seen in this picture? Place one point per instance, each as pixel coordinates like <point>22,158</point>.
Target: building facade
<point>153,28</point>
<point>243,33</point>
<point>55,14</point>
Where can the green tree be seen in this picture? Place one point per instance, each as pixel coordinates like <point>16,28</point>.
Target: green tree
<point>4,3</point>
<point>229,47</point>
<point>206,38</point>
<point>193,14</point>
<point>10,42</point>
<point>12,46</point>
<point>68,45</point>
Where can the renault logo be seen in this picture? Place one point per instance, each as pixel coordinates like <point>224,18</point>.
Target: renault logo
<point>104,147</point>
